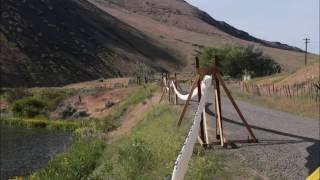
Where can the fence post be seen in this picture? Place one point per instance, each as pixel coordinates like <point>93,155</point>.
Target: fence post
<point>161,82</point>
<point>176,84</point>
<point>202,130</point>
<point>169,93</point>
<point>218,104</point>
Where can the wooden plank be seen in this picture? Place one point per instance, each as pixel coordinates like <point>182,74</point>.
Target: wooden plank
<point>236,107</point>
<point>218,100</point>
<point>207,71</point>
<point>206,137</point>
<point>219,119</point>
<point>168,85</point>
<point>202,132</point>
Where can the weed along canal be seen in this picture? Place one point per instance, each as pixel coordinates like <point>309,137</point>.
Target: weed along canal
<point>24,150</point>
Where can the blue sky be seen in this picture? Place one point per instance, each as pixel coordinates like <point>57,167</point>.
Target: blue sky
<point>287,21</point>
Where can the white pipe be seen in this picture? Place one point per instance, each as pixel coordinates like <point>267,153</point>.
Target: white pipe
<point>195,92</point>
<point>181,164</point>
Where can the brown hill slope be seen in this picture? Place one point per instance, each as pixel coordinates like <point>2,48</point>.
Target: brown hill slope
<point>55,42</point>
<point>188,29</point>
<point>180,14</point>
<point>303,75</point>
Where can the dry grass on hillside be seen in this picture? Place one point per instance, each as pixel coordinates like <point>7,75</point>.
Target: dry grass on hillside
<point>310,72</point>
<point>190,35</point>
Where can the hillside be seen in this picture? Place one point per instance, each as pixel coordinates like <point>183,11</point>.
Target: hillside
<point>188,29</point>
<point>56,42</point>
<point>180,14</point>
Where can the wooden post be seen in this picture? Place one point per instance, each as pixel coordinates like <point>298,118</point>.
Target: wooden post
<point>272,88</point>
<point>202,125</point>
<point>219,135</point>
<point>289,91</point>
<point>176,84</point>
<point>218,122</point>
<point>164,90</point>
<point>169,92</point>
<point>161,81</point>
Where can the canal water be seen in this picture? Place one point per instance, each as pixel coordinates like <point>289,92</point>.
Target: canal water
<point>23,150</point>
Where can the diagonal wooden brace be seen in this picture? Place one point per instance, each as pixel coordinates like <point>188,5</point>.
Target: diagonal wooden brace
<point>194,84</point>
<point>236,107</point>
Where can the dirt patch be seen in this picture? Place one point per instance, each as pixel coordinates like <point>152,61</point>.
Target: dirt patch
<point>100,104</point>
<point>3,104</point>
<point>133,116</point>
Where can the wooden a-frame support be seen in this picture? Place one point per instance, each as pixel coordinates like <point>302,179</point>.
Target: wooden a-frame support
<point>203,138</point>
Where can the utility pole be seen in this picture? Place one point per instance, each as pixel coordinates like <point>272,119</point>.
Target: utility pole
<point>306,52</point>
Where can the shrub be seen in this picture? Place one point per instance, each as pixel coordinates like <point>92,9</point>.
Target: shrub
<point>53,97</point>
<point>135,157</point>
<point>67,112</point>
<point>78,163</point>
<point>29,107</point>
<point>239,60</point>
<point>15,94</point>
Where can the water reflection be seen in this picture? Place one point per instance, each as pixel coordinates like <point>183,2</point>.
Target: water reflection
<point>24,150</point>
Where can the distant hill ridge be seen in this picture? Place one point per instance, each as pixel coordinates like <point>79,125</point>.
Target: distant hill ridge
<point>57,42</point>
<point>179,13</point>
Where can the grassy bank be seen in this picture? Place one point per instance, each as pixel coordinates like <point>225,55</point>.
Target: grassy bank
<point>150,151</point>
<point>78,163</point>
<point>85,154</point>
<point>41,123</point>
<point>110,122</point>
<point>301,106</point>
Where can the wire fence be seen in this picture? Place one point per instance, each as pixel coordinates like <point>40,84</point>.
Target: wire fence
<point>309,89</point>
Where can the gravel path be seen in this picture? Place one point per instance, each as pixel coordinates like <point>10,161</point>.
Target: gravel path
<point>288,145</point>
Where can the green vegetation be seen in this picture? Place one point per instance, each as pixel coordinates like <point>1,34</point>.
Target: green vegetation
<point>41,123</point>
<point>33,102</point>
<point>151,150</point>
<point>302,106</point>
<point>110,122</point>
<point>269,79</point>
<point>78,163</point>
<point>28,107</point>
<point>14,94</point>
<point>239,60</point>
<point>85,153</point>
<point>52,97</point>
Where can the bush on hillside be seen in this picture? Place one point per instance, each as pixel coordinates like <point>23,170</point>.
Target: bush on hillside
<point>29,107</point>
<point>238,60</point>
<point>78,163</point>
<point>15,94</point>
<point>53,97</point>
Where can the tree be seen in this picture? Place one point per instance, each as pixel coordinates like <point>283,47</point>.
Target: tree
<point>236,60</point>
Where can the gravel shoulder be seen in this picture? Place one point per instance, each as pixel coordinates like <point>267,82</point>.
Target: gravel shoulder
<point>288,145</point>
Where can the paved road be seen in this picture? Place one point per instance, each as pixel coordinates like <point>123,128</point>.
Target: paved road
<point>288,145</point>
